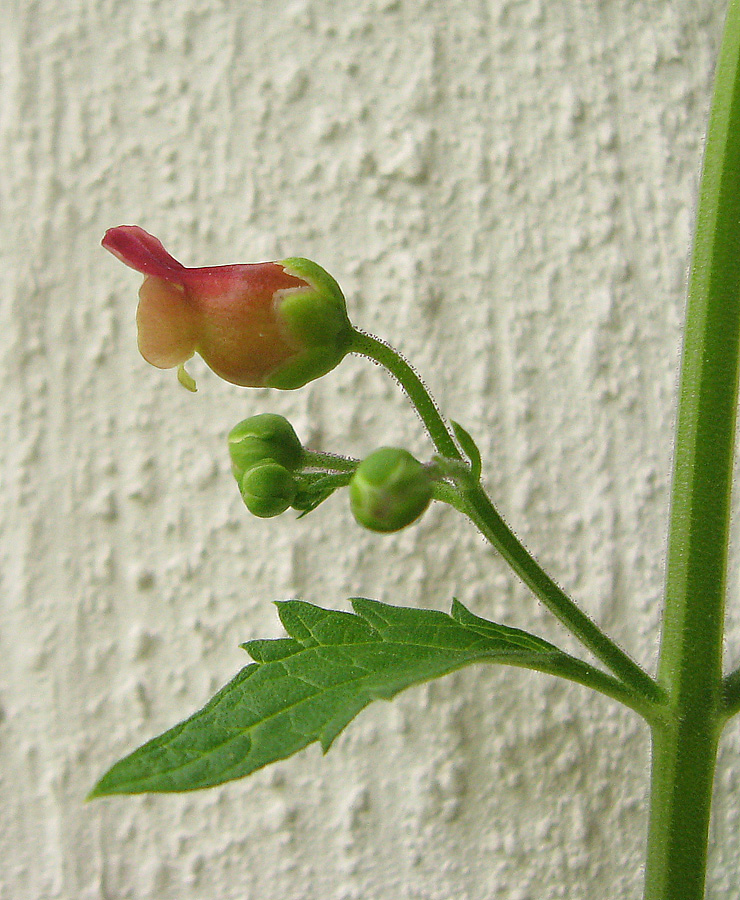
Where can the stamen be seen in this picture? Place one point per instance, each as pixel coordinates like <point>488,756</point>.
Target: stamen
<point>186,379</point>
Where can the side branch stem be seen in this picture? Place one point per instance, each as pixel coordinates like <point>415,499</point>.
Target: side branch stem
<point>490,523</point>
<point>474,502</point>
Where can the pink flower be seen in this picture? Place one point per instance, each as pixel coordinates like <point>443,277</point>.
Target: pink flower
<point>271,324</point>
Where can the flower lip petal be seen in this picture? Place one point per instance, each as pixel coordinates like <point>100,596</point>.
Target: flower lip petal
<point>143,252</point>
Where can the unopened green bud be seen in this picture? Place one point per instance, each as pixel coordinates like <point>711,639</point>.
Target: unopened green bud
<point>389,490</point>
<point>262,438</point>
<point>268,489</point>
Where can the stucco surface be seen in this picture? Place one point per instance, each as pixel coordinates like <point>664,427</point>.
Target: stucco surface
<point>505,190</point>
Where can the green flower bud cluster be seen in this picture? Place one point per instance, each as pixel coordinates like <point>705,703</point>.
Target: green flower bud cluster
<point>389,490</point>
<point>265,453</point>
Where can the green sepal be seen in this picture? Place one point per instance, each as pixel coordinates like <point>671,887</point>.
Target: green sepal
<point>315,320</point>
<point>308,365</point>
<point>318,277</point>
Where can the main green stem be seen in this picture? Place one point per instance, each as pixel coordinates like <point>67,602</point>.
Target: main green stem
<point>690,668</point>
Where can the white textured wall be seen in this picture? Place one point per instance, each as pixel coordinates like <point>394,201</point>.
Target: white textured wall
<point>505,190</point>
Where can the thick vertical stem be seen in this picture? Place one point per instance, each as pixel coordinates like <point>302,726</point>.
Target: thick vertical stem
<point>684,754</point>
<point>690,667</point>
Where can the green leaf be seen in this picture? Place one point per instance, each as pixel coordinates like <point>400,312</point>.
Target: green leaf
<point>309,686</point>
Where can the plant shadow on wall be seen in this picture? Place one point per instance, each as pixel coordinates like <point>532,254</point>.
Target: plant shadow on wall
<point>283,324</point>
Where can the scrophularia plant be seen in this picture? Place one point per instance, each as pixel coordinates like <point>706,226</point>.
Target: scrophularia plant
<point>283,324</point>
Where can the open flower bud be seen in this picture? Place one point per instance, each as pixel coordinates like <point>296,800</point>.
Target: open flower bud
<point>270,324</point>
<point>389,490</point>
<point>268,489</point>
<point>261,438</point>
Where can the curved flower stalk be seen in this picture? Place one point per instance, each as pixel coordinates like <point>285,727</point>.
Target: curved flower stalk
<point>270,324</point>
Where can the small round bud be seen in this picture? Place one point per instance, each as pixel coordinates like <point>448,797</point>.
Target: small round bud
<point>261,438</point>
<point>389,490</point>
<point>268,489</point>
